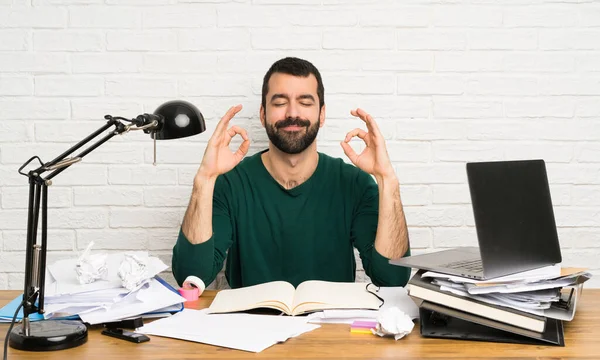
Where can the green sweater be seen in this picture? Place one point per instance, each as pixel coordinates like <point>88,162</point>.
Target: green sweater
<point>270,233</point>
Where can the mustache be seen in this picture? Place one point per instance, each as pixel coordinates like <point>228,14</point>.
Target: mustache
<point>290,121</point>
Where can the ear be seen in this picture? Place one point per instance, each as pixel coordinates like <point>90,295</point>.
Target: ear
<point>262,115</point>
<point>322,116</point>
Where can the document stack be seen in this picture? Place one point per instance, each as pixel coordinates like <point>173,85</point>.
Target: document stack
<point>527,307</point>
<point>104,300</point>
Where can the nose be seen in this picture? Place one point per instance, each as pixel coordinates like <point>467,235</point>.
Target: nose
<point>292,110</point>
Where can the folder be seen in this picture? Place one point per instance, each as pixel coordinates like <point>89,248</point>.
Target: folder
<point>169,310</point>
<point>438,321</point>
<point>8,311</point>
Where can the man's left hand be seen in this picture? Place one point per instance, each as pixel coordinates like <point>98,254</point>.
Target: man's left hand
<point>374,159</point>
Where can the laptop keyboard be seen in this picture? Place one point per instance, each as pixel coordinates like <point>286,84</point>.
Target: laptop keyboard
<point>471,265</point>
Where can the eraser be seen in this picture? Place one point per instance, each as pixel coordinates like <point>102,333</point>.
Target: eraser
<point>364,324</point>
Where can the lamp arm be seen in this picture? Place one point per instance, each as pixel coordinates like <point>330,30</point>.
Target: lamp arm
<point>35,254</point>
<point>79,156</point>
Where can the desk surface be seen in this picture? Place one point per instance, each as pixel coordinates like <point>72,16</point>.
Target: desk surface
<point>582,338</point>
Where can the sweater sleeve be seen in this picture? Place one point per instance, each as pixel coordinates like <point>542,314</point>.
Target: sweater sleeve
<point>205,260</point>
<point>364,231</point>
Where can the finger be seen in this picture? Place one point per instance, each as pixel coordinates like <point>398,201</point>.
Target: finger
<point>349,151</point>
<point>373,123</point>
<point>232,131</point>
<point>237,130</point>
<point>359,113</point>
<point>368,119</point>
<point>222,125</point>
<point>356,132</point>
<point>242,150</point>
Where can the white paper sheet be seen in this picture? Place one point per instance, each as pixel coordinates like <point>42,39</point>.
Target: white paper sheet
<point>55,311</point>
<point>530,286</point>
<point>106,295</point>
<point>542,309</point>
<point>342,316</point>
<point>245,332</point>
<point>149,298</point>
<point>498,301</point>
<point>395,296</point>
<point>547,272</point>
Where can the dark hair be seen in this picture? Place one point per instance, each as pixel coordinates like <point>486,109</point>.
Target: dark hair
<point>296,67</point>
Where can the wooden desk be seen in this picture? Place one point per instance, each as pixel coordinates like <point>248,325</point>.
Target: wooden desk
<point>582,338</point>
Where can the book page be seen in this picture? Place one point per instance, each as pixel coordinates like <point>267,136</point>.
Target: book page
<point>320,295</point>
<point>277,295</point>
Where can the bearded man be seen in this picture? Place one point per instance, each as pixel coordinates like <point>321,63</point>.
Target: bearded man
<point>290,212</point>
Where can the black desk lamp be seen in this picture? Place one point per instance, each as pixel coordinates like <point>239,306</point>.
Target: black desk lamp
<point>172,120</point>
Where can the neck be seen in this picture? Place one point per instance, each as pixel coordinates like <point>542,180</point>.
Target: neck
<point>291,170</point>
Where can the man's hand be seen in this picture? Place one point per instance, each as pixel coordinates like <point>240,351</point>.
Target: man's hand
<point>374,159</point>
<point>218,158</point>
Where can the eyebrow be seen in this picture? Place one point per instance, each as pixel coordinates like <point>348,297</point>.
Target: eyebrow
<point>300,97</point>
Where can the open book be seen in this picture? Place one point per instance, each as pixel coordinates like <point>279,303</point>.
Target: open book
<point>310,296</point>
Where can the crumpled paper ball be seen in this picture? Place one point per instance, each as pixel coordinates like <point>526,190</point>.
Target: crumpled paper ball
<point>90,268</point>
<point>393,321</point>
<point>132,271</point>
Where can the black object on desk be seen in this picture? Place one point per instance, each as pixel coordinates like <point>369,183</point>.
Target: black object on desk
<point>126,335</point>
<point>125,324</point>
<point>439,321</point>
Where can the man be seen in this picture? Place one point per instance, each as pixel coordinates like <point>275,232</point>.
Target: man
<point>289,212</point>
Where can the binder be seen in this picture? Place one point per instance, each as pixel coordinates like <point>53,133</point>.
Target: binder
<point>438,321</point>
<point>424,289</point>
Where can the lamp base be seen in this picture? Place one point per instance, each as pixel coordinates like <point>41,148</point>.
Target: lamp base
<point>49,335</point>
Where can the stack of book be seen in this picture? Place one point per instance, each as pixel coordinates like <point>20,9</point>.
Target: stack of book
<point>522,310</point>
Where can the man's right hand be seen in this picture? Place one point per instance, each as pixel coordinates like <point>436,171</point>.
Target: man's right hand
<point>218,158</point>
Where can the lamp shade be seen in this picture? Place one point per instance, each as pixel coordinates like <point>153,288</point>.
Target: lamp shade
<point>179,119</point>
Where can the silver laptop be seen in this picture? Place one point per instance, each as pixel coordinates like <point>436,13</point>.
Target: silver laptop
<point>514,220</point>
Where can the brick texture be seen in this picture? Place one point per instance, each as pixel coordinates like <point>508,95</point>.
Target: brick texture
<point>448,82</point>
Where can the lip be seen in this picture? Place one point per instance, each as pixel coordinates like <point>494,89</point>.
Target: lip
<point>292,128</point>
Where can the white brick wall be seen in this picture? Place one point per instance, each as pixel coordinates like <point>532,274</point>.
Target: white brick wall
<point>449,82</point>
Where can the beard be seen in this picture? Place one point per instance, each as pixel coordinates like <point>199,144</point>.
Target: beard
<point>292,142</point>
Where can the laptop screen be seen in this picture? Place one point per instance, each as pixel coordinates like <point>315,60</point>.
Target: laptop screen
<point>513,215</point>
